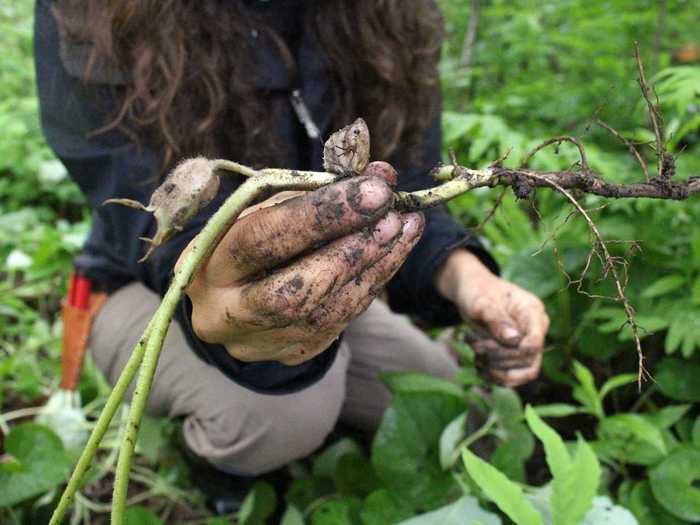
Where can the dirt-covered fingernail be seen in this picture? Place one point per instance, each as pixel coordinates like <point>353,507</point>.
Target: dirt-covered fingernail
<point>510,334</point>
<point>369,195</point>
<point>413,224</point>
<point>387,228</point>
<point>383,170</point>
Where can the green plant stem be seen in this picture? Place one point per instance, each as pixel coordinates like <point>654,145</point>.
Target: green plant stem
<point>101,426</point>
<point>472,438</point>
<point>200,249</point>
<point>139,400</point>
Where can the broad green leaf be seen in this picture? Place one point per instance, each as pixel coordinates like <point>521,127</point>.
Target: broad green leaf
<point>405,452</point>
<point>39,463</point>
<point>557,456</point>
<point>499,489</point>
<point>464,511</point>
<point>667,416</point>
<point>326,462</point>
<point>258,505</point>
<point>662,286</point>
<point>646,509</point>
<point>678,379</point>
<point>382,507</point>
<point>337,512</point>
<point>631,438</point>
<point>138,515</point>
<point>677,331</point>
<point>673,480</point>
<point>507,405</point>
<point>517,443</point>
<point>416,382</point>
<point>455,125</point>
<point>616,382</point>
<point>574,490</point>
<point>556,410</point>
<point>449,439</point>
<point>510,455</point>
<point>303,491</point>
<point>355,475</point>
<point>292,516</point>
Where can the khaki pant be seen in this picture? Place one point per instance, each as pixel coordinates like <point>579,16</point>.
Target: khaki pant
<point>248,433</point>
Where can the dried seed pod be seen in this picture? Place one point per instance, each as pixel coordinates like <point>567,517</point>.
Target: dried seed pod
<point>186,190</point>
<point>347,150</point>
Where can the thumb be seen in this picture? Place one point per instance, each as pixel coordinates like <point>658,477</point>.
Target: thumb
<point>499,323</point>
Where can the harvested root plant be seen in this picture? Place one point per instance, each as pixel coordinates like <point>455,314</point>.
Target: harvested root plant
<point>194,182</point>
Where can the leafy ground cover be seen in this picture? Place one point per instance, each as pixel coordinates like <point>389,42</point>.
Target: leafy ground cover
<point>581,445</point>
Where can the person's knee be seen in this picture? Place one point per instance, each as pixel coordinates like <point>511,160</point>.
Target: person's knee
<point>250,442</point>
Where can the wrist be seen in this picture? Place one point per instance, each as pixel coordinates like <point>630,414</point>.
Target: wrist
<point>461,268</point>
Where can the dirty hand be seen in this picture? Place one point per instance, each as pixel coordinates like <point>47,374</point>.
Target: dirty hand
<point>289,276</point>
<point>515,318</point>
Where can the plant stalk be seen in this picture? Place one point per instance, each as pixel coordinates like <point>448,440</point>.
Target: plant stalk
<point>200,249</point>
<point>101,426</point>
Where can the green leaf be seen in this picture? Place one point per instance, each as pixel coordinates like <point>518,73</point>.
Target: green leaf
<point>517,443</point>
<point>499,489</point>
<point>631,438</point>
<point>465,510</point>
<point>507,405</point>
<point>450,438</point>
<point>556,410</point>
<point>695,246</point>
<point>617,381</point>
<point>405,452</point>
<point>325,464</point>
<point>138,515</point>
<point>695,294</point>
<point>667,416</point>
<point>664,285</point>
<point>336,512</point>
<point>672,482</point>
<point>573,492</point>
<point>678,379</point>
<point>455,125</point>
<point>304,491</point>
<point>355,476</point>
<point>152,439</point>
<point>557,456</point>
<point>399,382</point>
<point>696,433</point>
<point>292,516</point>
<point>586,392</point>
<point>382,507</point>
<point>217,521</point>
<point>258,505</point>
<point>646,509</point>
<point>39,463</point>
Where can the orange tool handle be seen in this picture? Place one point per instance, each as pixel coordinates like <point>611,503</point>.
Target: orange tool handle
<point>78,309</point>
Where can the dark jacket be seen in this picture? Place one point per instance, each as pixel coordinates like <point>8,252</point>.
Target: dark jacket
<point>110,164</point>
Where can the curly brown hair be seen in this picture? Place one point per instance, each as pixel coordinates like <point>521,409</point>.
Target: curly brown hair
<point>187,63</point>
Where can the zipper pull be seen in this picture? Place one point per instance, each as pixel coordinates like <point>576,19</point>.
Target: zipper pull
<point>304,115</point>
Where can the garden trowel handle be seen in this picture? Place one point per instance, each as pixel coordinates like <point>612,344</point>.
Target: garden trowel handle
<point>78,310</point>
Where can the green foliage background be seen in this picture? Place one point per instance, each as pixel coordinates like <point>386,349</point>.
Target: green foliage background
<point>539,69</point>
